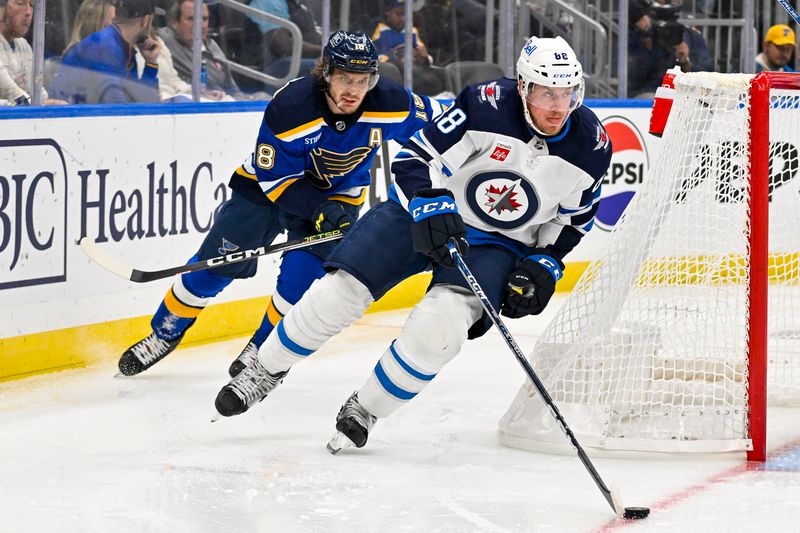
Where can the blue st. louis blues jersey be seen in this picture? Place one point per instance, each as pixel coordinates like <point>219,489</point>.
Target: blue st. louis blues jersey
<point>512,187</point>
<point>301,140</point>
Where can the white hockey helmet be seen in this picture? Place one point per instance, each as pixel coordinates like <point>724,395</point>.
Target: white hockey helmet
<point>550,63</point>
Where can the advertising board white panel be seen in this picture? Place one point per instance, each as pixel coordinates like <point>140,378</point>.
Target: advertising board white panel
<point>145,188</point>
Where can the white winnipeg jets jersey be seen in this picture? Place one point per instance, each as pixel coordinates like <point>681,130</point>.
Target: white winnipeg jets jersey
<point>508,182</point>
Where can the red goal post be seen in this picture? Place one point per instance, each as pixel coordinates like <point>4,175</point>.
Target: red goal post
<point>674,338</point>
<point>760,88</point>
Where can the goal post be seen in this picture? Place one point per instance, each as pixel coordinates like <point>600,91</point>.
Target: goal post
<point>673,340</point>
<point>760,89</point>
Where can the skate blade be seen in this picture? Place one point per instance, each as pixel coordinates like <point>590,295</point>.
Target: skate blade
<point>215,417</point>
<point>339,442</point>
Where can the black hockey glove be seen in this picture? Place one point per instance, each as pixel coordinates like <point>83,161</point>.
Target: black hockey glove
<point>531,285</point>
<point>329,216</point>
<point>436,219</point>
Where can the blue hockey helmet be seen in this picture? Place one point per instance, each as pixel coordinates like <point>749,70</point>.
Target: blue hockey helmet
<point>352,52</point>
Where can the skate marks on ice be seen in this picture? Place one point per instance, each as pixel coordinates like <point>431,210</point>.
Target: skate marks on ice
<point>82,451</point>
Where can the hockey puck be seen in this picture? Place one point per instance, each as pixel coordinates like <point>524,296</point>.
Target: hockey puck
<point>636,513</point>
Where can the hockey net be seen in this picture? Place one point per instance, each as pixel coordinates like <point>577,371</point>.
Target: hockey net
<point>662,345</point>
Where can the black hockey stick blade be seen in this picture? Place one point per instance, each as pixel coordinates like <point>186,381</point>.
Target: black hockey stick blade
<point>99,256</point>
<point>612,497</point>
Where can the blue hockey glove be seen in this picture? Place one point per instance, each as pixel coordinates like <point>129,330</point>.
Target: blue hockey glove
<point>436,219</point>
<point>329,216</point>
<point>532,284</point>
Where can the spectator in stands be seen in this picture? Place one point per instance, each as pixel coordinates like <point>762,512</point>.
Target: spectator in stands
<point>10,93</point>
<point>389,39</point>
<point>171,87</point>
<point>16,56</point>
<point>92,16</point>
<point>220,84</point>
<point>278,40</point>
<point>656,42</point>
<point>388,35</point>
<point>102,68</point>
<point>778,50</point>
<point>455,30</point>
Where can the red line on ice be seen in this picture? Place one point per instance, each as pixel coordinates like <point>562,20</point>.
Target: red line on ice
<point>680,496</point>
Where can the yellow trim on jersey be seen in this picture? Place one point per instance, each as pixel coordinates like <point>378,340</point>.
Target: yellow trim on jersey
<point>273,314</point>
<point>179,308</point>
<point>385,115</point>
<point>350,199</point>
<point>277,191</point>
<point>415,31</point>
<point>301,129</point>
<point>245,174</point>
<point>378,29</point>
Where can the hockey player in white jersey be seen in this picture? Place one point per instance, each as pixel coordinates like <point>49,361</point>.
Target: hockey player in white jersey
<point>512,171</point>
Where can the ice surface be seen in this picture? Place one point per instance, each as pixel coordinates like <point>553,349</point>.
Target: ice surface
<point>82,451</point>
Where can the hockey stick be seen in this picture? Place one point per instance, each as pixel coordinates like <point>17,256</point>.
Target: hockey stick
<point>111,264</point>
<point>791,10</point>
<point>611,498</point>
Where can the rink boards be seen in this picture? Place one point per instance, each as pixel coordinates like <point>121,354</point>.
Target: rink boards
<point>144,182</point>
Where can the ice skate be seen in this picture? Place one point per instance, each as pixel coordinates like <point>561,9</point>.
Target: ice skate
<point>353,424</point>
<point>145,354</point>
<point>245,358</point>
<point>249,387</point>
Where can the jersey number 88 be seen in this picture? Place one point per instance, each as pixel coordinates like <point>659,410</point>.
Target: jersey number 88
<point>265,156</point>
<point>450,120</point>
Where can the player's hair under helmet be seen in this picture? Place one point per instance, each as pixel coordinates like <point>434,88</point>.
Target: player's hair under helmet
<point>352,52</point>
<point>549,63</point>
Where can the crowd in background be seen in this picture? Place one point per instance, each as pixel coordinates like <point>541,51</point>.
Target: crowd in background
<point>116,51</point>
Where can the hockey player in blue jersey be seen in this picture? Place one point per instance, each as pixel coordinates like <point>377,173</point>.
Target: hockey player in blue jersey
<point>309,174</point>
<point>512,171</point>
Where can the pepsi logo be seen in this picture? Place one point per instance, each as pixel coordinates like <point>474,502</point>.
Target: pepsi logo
<point>629,163</point>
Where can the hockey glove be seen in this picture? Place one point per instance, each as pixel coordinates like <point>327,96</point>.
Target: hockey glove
<point>531,285</point>
<point>329,216</point>
<point>436,219</point>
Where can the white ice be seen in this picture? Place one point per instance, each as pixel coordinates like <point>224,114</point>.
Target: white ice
<point>81,451</point>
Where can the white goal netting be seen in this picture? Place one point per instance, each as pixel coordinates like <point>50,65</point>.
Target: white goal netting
<point>650,351</point>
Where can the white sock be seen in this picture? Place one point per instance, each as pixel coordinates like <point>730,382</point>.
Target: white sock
<point>330,305</point>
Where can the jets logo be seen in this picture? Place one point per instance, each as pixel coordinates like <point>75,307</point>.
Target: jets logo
<point>490,93</point>
<point>601,137</point>
<point>502,199</point>
<point>329,165</point>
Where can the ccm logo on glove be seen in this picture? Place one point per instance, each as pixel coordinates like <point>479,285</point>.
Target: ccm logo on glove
<point>434,207</point>
<point>436,221</point>
<point>531,284</point>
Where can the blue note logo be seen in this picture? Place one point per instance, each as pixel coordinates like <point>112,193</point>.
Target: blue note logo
<point>227,246</point>
<point>33,213</point>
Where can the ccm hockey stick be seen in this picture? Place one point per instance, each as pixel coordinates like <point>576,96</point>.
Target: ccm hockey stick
<point>612,498</point>
<point>111,264</point>
<point>791,10</point>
